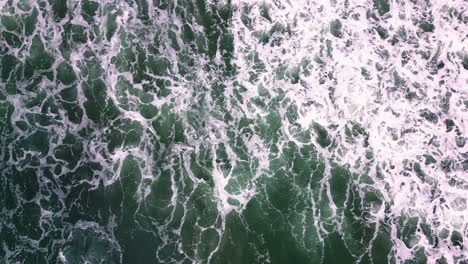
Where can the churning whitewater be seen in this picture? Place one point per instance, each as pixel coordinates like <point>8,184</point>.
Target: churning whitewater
<point>237,132</point>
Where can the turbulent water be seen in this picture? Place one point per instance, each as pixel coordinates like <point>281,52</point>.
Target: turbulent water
<point>233,132</point>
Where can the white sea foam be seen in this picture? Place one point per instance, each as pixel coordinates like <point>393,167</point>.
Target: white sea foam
<point>358,78</point>
<point>398,134</point>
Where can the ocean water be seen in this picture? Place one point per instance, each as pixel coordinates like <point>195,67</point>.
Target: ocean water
<point>233,132</point>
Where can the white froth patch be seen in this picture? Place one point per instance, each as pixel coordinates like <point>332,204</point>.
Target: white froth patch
<point>62,257</point>
<point>346,85</point>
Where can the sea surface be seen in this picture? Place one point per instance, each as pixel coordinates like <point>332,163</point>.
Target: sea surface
<point>233,132</point>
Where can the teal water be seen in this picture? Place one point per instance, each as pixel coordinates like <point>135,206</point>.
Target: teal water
<point>233,132</point>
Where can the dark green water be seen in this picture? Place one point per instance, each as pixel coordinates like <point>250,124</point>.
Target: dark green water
<point>241,132</point>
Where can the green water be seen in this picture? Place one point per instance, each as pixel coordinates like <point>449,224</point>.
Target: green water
<point>131,133</point>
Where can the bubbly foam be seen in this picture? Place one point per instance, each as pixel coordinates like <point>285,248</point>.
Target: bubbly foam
<point>391,90</point>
